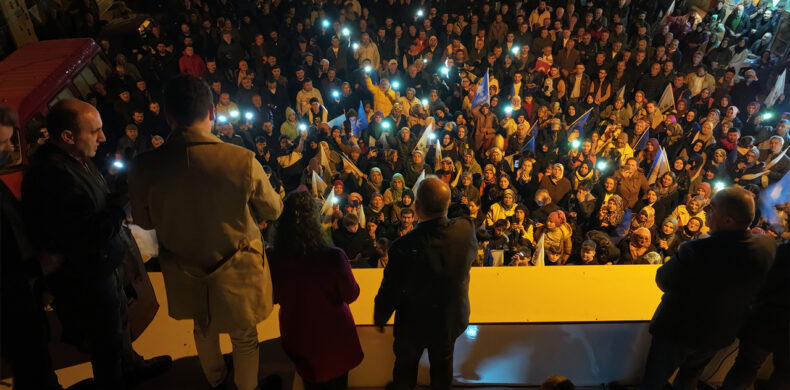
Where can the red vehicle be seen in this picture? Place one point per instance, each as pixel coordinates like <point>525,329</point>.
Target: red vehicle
<point>37,76</point>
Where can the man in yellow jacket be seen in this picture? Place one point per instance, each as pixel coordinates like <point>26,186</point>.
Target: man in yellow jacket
<point>383,96</point>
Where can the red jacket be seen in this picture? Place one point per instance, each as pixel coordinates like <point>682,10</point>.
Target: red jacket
<point>192,65</point>
<point>316,326</point>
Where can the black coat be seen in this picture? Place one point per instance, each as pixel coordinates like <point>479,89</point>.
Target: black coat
<point>426,282</point>
<point>708,287</point>
<point>769,318</point>
<point>357,243</point>
<point>65,207</point>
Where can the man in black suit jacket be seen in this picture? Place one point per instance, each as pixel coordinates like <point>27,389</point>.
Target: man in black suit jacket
<point>426,283</point>
<point>708,287</point>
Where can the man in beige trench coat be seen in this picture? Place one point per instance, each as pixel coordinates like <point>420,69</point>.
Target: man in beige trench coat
<point>204,198</point>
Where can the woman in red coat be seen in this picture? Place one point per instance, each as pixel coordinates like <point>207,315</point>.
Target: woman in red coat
<point>313,284</point>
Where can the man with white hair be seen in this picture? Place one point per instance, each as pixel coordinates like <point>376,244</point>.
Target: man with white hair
<point>775,148</point>
<point>367,50</point>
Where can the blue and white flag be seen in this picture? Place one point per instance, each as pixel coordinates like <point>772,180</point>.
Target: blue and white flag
<point>778,193</point>
<point>579,123</point>
<point>347,163</point>
<point>482,95</point>
<point>362,120</point>
<point>337,122</point>
<point>660,166</point>
<point>533,133</point>
<point>641,143</point>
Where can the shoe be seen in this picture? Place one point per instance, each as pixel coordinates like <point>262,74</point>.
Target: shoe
<point>148,369</point>
<point>225,385</point>
<point>271,382</point>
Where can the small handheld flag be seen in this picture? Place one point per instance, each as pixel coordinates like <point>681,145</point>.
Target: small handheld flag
<point>778,193</point>
<point>579,123</point>
<point>482,95</point>
<point>347,163</point>
<point>325,161</point>
<point>621,93</point>
<point>337,122</point>
<point>361,122</point>
<point>667,101</point>
<point>641,143</point>
<point>530,145</point>
<point>659,167</point>
<point>362,221</point>
<point>777,90</point>
<point>326,209</point>
<point>424,141</point>
<point>319,185</point>
<point>538,258</point>
<point>419,180</point>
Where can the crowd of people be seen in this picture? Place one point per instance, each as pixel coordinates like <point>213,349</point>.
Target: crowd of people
<point>605,127</point>
<point>586,133</point>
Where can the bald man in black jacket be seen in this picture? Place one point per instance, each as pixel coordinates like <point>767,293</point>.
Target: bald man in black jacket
<point>426,284</point>
<point>708,288</point>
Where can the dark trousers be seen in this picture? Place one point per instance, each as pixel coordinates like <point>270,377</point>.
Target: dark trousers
<point>25,337</point>
<point>665,356</point>
<point>407,360</point>
<point>338,383</point>
<point>94,317</point>
<point>750,358</point>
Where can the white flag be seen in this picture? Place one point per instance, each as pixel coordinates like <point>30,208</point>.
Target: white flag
<point>777,90</point>
<point>337,122</point>
<point>667,101</point>
<point>425,139</point>
<point>739,60</point>
<point>538,258</point>
<point>362,222</point>
<point>417,182</point>
<point>383,140</point>
<point>326,209</point>
<point>319,185</point>
<point>325,161</point>
<point>666,16</point>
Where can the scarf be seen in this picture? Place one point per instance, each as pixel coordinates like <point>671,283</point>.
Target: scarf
<point>397,194</point>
